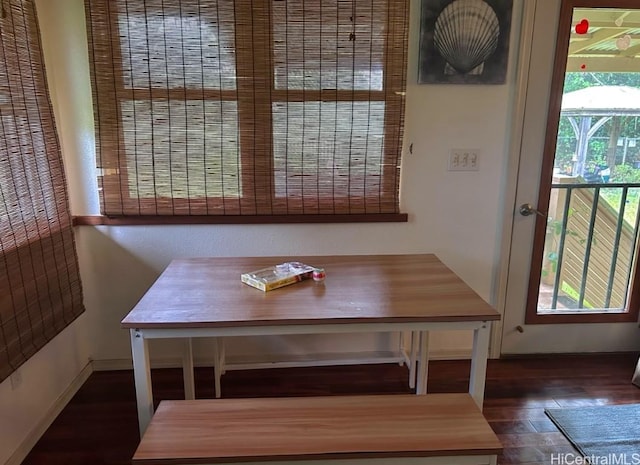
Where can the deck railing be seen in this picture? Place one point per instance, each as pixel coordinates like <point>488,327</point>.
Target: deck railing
<point>590,246</point>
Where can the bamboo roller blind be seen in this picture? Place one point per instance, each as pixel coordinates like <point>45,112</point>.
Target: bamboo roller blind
<point>40,291</point>
<point>248,107</point>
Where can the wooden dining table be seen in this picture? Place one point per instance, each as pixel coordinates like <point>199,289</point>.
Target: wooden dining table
<point>204,297</point>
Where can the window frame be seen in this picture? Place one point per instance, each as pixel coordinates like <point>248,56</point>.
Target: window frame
<point>253,186</point>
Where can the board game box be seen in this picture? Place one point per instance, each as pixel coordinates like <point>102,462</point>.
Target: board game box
<point>276,276</point>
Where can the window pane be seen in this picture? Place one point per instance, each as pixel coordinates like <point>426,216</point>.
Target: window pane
<point>329,45</point>
<point>181,149</point>
<point>191,46</point>
<point>328,150</point>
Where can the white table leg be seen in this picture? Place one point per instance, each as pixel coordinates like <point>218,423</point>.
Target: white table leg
<point>216,367</point>
<point>413,358</point>
<point>222,348</point>
<point>479,362</point>
<point>423,363</point>
<point>187,370</point>
<point>142,377</point>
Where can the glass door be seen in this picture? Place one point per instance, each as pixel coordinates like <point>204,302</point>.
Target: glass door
<point>572,254</point>
<point>589,228</point>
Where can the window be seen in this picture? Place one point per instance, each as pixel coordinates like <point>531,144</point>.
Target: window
<point>248,107</point>
<point>41,292</point>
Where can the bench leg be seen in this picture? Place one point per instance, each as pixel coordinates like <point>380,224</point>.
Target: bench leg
<point>423,362</point>
<point>217,368</point>
<point>142,377</point>
<point>413,358</point>
<point>479,362</point>
<point>187,370</point>
<point>222,354</point>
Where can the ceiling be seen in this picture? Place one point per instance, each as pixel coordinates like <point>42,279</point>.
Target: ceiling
<point>611,42</point>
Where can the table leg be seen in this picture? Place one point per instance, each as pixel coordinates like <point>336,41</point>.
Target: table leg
<point>222,354</point>
<point>423,363</point>
<point>413,358</point>
<point>479,362</point>
<point>216,367</point>
<point>142,377</point>
<point>187,369</point>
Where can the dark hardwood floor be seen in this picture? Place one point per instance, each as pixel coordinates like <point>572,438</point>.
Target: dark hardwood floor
<point>99,425</point>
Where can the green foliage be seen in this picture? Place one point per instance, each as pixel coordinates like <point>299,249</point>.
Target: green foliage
<point>566,145</point>
<point>614,196</point>
<point>625,174</point>
<point>577,81</point>
<point>554,232</point>
<point>574,295</point>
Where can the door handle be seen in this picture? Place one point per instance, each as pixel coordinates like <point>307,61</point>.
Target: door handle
<point>526,209</point>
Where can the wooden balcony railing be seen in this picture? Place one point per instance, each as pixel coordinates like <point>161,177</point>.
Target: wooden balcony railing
<point>590,246</point>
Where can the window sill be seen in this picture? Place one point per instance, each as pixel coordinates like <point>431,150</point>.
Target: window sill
<point>238,219</point>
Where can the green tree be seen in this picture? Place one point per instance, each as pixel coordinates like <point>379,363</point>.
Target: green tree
<point>577,81</point>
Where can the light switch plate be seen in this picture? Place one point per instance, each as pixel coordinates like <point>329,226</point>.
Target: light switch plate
<point>464,160</point>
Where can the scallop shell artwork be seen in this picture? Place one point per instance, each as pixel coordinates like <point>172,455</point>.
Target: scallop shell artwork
<point>466,34</point>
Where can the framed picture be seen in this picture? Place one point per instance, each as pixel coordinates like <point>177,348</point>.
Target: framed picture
<point>464,41</point>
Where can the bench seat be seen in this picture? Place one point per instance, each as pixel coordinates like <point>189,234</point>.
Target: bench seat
<point>322,429</point>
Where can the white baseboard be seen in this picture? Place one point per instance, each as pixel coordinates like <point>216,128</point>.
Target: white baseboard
<point>61,402</point>
<point>450,354</point>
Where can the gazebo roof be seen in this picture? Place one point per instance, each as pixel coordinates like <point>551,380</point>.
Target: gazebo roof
<point>602,101</point>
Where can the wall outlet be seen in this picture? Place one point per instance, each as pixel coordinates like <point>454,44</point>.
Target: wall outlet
<point>464,160</point>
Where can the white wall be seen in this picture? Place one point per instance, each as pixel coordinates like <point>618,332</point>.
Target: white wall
<point>30,396</point>
<point>455,215</point>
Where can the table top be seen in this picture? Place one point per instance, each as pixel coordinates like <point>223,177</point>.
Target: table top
<point>306,428</point>
<point>207,292</point>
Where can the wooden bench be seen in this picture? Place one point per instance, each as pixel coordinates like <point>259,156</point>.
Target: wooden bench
<point>385,429</point>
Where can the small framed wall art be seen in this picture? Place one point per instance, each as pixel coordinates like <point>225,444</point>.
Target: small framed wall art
<point>464,41</point>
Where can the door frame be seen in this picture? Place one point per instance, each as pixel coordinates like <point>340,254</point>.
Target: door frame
<point>516,132</point>
<point>544,189</point>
